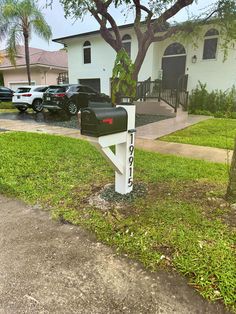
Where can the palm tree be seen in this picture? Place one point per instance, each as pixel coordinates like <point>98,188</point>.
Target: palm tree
<point>17,21</point>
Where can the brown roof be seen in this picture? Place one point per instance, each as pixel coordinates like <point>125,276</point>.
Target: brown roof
<point>37,57</point>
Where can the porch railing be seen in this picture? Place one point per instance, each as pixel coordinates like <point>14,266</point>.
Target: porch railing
<point>63,78</point>
<point>148,89</point>
<point>173,97</point>
<point>182,91</point>
<point>170,96</point>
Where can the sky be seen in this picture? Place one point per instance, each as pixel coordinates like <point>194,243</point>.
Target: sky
<point>62,27</point>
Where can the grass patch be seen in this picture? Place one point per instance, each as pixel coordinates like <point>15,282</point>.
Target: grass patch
<point>218,133</point>
<point>181,223</point>
<point>6,105</point>
<point>8,110</point>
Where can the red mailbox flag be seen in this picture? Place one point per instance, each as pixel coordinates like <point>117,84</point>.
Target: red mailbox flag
<point>108,121</point>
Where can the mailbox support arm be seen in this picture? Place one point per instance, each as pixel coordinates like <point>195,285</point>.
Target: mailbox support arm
<point>111,157</point>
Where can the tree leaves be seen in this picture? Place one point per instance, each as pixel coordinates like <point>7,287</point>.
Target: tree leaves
<point>123,84</point>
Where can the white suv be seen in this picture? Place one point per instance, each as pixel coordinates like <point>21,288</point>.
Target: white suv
<point>29,97</point>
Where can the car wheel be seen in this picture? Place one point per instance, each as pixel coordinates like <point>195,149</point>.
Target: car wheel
<point>22,109</point>
<point>52,110</point>
<point>37,105</point>
<point>72,108</point>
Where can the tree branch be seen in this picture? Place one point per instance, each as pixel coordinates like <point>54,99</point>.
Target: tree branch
<point>168,34</point>
<point>137,20</point>
<point>179,5</point>
<point>102,9</point>
<point>106,34</point>
<point>209,16</point>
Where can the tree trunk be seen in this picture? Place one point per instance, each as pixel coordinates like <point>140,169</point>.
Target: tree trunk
<point>140,58</point>
<point>231,191</point>
<point>27,58</point>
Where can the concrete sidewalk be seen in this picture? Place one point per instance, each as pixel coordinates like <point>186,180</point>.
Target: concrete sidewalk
<point>191,151</point>
<point>186,150</point>
<point>48,267</point>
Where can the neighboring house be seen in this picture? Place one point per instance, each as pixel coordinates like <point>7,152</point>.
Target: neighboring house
<point>91,59</point>
<point>46,67</point>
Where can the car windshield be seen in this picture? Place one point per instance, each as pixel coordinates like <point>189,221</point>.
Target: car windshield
<point>22,90</point>
<point>57,89</point>
<point>40,89</point>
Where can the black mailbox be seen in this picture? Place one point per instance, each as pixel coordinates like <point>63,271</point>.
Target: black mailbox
<point>103,121</point>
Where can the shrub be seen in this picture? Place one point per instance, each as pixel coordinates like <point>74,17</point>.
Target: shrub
<point>218,103</point>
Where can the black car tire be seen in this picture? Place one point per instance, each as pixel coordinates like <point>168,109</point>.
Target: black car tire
<point>72,108</point>
<point>37,105</point>
<point>22,109</point>
<point>52,110</point>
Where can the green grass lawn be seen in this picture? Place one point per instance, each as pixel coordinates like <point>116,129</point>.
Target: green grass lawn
<point>213,133</point>
<point>8,110</point>
<point>181,223</point>
<point>6,106</point>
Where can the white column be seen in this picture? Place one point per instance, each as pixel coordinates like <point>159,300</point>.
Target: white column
<point>125,153</point>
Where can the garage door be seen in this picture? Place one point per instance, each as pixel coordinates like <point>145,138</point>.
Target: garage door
<point>15,85</point>
<point>94,83</point>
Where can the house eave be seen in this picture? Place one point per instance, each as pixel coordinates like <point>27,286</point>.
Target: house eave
<point>62,40</point>
<point>52,67</point>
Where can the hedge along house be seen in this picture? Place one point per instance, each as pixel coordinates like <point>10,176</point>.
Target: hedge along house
<point>180,64</point>
<point>46,67</point>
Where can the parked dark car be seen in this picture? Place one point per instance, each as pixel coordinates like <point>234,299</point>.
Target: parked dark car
<point>5,94</point>
<point>71,98</point>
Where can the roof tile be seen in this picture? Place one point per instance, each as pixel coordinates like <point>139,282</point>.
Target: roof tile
<point>37,56</point>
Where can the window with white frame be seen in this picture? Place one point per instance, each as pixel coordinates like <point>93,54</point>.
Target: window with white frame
<point>126,43</point>
<point>87,52</point>
<point>210,44</point>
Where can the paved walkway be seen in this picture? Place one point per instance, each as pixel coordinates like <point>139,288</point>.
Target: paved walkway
<point>158,129</point>
<point>47,268</point>
<point>186,150</point>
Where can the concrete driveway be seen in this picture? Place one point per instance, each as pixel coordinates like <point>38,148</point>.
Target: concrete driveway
<point>49,267</point>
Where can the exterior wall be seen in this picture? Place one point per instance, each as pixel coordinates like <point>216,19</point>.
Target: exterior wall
<point>102,60</point>
<point>215,73</point>
<point>39,76</point>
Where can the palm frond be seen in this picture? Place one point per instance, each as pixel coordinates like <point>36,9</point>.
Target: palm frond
<point>18,18</point>
<point>40,26</point>
<point>42,29</point>
<point>12,42</point>
<point>9,9</point>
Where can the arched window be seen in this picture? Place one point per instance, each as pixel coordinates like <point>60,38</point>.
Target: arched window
<point>126,43</point>
<point>175,49</point>
<point>87,52</point>
<point>210,44</point>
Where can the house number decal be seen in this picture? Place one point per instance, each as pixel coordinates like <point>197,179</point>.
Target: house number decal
<point>131,160</point>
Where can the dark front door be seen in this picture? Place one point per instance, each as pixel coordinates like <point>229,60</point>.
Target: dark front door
<point>173,68</point>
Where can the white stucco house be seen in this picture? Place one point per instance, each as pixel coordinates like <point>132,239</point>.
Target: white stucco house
<point>91,59</point>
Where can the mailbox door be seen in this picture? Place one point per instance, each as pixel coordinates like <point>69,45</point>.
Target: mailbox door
<point>103,121</point>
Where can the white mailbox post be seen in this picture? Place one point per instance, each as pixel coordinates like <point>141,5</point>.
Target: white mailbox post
<point>122,160</point>
<point>125,152</point>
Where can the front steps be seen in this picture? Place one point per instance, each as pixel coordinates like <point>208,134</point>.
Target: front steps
<point>153,107</point>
